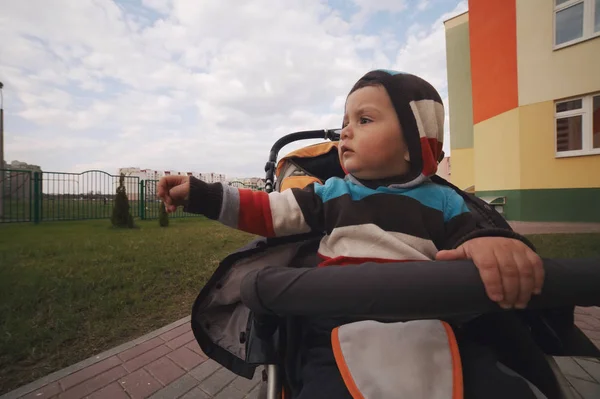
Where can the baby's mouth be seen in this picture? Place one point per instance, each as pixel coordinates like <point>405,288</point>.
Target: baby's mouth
<point>345,149</point>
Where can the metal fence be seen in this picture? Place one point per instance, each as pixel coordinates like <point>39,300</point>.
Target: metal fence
<point>30,196</point>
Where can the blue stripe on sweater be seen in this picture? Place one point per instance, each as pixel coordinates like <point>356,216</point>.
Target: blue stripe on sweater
<point>431,195</point>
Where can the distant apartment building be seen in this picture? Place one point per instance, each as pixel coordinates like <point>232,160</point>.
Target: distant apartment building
<point>256,183</point>
<point>18,165</point>
<point>16,178</point>
<point>151,177</point>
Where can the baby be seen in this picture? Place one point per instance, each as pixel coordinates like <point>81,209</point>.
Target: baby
<point>386,209</point>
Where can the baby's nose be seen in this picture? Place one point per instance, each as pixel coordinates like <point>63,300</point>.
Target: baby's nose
<point>346,132</point>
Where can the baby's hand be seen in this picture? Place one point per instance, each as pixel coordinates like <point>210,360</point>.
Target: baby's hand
<point>173,191</point>
<point>510,270</point>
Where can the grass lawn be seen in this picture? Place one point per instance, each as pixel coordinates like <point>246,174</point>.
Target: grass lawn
<point>567,246</point>
<point>69,290</point>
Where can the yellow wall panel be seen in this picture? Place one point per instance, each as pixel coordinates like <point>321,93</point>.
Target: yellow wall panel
<point>539,166</point>
<point>462,168</point>
<point>497,160</point>
<point>544,73</point>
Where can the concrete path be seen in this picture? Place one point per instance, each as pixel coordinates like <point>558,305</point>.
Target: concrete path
<point>168,364</point>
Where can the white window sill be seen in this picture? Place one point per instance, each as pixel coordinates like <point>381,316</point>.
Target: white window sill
<point>578,153</point>
<point>576,41</point>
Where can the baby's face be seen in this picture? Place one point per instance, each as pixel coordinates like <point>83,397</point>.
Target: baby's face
<point>372,144</point>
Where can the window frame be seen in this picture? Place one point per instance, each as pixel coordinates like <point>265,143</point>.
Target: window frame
<point>587,129</point>
<point>588,22</point>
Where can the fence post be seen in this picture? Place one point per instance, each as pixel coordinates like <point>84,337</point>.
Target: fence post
<point>37,200</point>
<point>31,188</point>
<point>142,201</point>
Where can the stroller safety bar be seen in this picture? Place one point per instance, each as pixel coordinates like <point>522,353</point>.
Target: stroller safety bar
<point>406,291</point>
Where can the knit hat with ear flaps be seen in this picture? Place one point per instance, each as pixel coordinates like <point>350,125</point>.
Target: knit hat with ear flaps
<point>421,114</point>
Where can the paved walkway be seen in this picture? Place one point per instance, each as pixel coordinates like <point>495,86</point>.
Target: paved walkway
<point>168,364</point>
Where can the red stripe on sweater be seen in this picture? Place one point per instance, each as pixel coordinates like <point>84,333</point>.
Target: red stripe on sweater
<point>255,213</point>
<point>347,260</point>
<point>430,152</point>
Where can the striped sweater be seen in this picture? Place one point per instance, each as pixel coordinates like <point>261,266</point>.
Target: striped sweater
<point>361,224</point>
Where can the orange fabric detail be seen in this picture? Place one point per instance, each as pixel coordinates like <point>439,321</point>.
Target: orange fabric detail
<point>457,375</point>
<point>298,182</point>
<point>341,363</point>
<point>307,152</point>
<point>255,213</point>
<point>493,41</point>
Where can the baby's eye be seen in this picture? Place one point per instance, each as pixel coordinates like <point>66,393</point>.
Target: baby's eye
<point>364,120</point>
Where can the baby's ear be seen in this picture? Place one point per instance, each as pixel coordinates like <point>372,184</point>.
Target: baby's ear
<point>407,156</point>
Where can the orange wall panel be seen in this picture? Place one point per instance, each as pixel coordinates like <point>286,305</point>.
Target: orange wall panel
<point>493,38</point>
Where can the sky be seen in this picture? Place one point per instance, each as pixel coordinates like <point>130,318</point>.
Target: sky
<point>197,85</point>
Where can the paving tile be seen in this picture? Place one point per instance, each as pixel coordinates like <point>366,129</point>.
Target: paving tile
<point>573,392</point>
<point>591,333</point>
<point>196,393</point>
<point>89,386</point>
<point>181,340</point>
<point>196,348</point>
<point>592,311</point>
<point>164,370</point>
<point>44,392</point>
<point>230,393</point>
<point>245,385</point>
<point>571,368</point>
<point>88,372</point>
<point>139,384</point>
<point>176,332</point>
<point>254,393</point>
<point>590,320</point>
<point>186,358</point>
<point>217,381</point>
<point>146,358</point>
<point>205,370</point>
<point>112,391</point>
<point>583,325</point>
<point>592,368</point>
<point>588,390</point>
<point>139,349</point>
<point>177,388</point>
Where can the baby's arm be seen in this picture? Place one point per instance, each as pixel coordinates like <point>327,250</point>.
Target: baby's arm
<point>292,211</point>
<point>460,225</point>
<point>509,268</point>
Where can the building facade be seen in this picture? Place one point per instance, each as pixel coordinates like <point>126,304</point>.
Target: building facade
<point>149,174</point>
<point>524,96</point>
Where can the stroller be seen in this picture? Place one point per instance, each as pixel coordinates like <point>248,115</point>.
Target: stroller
<point>252,310</point>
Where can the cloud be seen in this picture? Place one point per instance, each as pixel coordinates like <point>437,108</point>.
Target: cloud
<point>369,7</point>
<point>188,85</point>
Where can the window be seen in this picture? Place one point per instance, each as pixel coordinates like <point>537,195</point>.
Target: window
<point>577,126</point>
<point>575,20</point>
